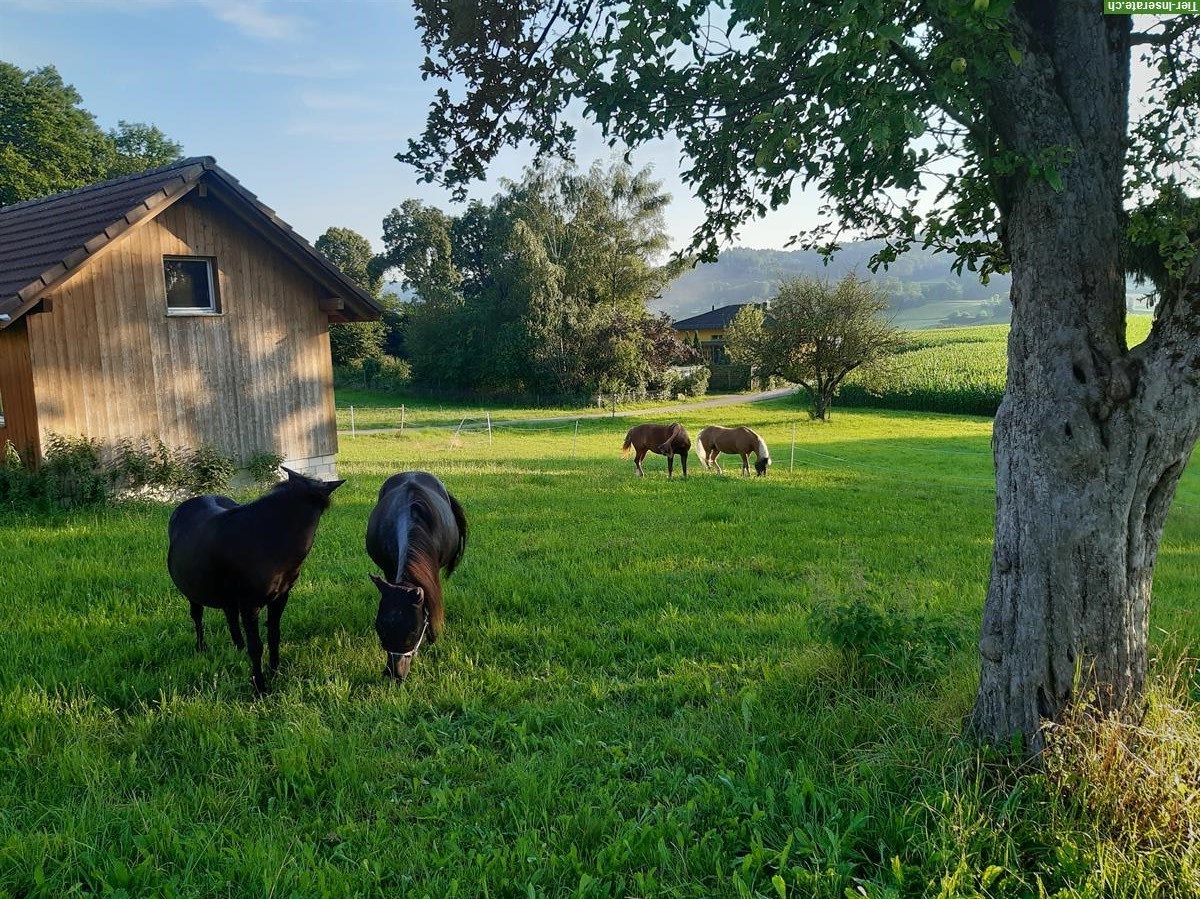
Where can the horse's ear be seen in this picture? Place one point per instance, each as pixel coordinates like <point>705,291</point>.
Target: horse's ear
<point>378,581</point>
<point>420,594</point>
<point>291,474</point>
<point>330,486</point>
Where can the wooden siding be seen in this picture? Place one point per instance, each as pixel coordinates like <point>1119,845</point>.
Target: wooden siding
<point>16,390</point>
<point>110,363</point>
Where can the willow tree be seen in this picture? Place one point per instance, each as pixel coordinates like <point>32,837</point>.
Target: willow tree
<point>997,131</point>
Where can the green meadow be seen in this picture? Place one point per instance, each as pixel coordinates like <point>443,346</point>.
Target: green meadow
<point>724,686</point>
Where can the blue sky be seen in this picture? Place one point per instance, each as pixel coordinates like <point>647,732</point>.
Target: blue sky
<point>306,103</point>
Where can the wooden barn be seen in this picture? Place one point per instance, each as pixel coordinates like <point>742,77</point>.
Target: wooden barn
<point>170,304</point>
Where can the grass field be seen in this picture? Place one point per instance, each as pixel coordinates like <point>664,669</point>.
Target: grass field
<point>639,692</point>
<point>381,409</point>
<point>955,370</point>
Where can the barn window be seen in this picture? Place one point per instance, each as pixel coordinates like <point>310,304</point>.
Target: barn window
<point>190,286</point>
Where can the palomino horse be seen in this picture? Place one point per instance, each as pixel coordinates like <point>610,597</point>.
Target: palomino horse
<point>666,440</point>
<point>239,558</point>
<point>415,529</point>
<point>714,440</point>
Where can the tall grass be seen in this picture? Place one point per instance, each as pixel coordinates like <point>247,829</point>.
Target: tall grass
<point>718,687</point>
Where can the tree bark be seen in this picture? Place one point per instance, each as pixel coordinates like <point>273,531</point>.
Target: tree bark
<point>1091,438</point>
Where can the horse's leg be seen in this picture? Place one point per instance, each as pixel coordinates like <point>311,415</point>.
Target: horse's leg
<point>198,620</point>
<point>637,462</point>
<point>235,630</point>
<point>716,464</point>
<point>670,465</point>
<point>274,613</point>
<point>254,648</point>
<point>745,464</point>
<point>683,461</point>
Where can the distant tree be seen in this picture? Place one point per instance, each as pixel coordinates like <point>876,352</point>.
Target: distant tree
<point>50,143</point>
<point>816,334</point>
<point>351,252</point>
<point>543,290</point>
<point>137,147</point>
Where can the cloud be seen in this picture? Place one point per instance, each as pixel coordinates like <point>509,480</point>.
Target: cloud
<point>256,19</point>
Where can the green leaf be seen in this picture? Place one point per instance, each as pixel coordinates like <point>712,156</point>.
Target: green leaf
<point>1015,55</point>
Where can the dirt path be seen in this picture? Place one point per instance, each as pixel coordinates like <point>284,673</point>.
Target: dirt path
<point>731,399</point>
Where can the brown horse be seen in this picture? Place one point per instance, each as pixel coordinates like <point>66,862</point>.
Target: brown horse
<point>666,440</point>
<point>714,440</point>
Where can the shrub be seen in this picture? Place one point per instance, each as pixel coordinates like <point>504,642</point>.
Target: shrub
<point>207,470</point>
<point>386,373</point>
<point>72,472</point>
<point>16,481</point>
<point>263,468</point>
<point>884,641</point>
<point>695,382</point>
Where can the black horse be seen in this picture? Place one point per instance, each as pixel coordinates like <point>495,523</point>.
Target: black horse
<point>239,558</point>
<point>415,529</point>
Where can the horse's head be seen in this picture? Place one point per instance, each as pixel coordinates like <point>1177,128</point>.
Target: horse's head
<point>401,623</point>
<point>318,491</point>
<point>761,463</point>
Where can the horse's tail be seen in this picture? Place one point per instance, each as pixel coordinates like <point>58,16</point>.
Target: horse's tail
<point>665,447</point>
<point>701,449</point>
<point>628,447</point>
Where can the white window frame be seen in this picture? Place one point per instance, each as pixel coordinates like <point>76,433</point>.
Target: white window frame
<point>210,264</point>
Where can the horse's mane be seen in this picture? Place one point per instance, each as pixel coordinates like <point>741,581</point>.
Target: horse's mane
<point>421,563</point>
<point>761,449</point>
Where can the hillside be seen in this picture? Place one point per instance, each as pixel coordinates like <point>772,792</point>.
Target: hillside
<point>924,291</point>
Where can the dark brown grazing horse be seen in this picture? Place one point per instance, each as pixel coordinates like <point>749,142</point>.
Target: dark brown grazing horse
<point>415,529</point>
<point>666,440</point>
<point>714,440</point>
<point>239,558</point>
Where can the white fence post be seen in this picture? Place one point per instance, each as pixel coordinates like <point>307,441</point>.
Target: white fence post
<point>352,434</point>
<point>575,439</point>
<point>401,418</point>
<point>489,421</point>
<point>792,460</point>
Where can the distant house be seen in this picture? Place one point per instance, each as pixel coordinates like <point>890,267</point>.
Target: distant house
<point>707,331</point>
<point>169,304</point>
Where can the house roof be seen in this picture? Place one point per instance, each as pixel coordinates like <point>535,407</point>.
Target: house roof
<point>44,241</point>
<point>714,318</point>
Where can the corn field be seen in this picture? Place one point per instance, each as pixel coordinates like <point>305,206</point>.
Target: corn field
<point>956,370</point>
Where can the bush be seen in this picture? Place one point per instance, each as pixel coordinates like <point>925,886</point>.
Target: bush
<point>76,472</point>
<point>263,468</point>
<point>695,383</point>
<point>883,641</point>
<point>207,471</point>
<point>72,472</point>
<point>387,373</point>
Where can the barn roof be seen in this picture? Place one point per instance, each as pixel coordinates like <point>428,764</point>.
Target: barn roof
<point>714,318</point>
<point>44,241</point>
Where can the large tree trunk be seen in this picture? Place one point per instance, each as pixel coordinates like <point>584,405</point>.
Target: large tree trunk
<point>1091,438</point>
